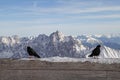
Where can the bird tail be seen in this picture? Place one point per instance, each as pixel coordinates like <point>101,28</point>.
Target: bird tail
<point>38,56</point>
<point>90,56</point>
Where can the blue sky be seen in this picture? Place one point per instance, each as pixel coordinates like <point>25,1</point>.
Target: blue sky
<point>72,17</point>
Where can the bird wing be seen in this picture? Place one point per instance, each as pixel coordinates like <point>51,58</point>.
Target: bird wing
<point>35,54</point>
<point>32,52</point>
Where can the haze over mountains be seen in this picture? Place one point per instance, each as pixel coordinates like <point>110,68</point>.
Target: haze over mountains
<point>57,44</point>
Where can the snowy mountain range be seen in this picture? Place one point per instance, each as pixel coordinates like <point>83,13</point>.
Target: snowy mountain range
<point>57,44</point>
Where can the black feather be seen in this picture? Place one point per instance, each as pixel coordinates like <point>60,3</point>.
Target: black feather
<point>96,51</point>
<point>31,52</point>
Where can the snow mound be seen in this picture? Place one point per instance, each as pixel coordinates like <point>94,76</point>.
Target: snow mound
<point>68,59</point>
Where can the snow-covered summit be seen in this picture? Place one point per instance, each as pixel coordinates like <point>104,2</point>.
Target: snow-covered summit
<point>9,40</point>
<point>57,36</point>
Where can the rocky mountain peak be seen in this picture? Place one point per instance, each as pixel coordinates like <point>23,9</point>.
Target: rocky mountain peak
<point>57,36</point>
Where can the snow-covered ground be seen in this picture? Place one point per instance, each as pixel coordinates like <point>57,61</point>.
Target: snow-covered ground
<point>68,59</point>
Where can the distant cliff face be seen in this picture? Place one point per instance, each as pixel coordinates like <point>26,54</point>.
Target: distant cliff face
<point>57,44</point>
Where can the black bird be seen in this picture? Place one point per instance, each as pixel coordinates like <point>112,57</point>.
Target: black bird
<point>31,52</point>
<point>96,51</point>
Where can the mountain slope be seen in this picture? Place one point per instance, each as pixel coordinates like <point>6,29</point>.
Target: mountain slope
<point>57,44</point>
<point>106,52</point>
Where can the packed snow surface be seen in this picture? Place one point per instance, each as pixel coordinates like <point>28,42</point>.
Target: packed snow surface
<point>68,59</point>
